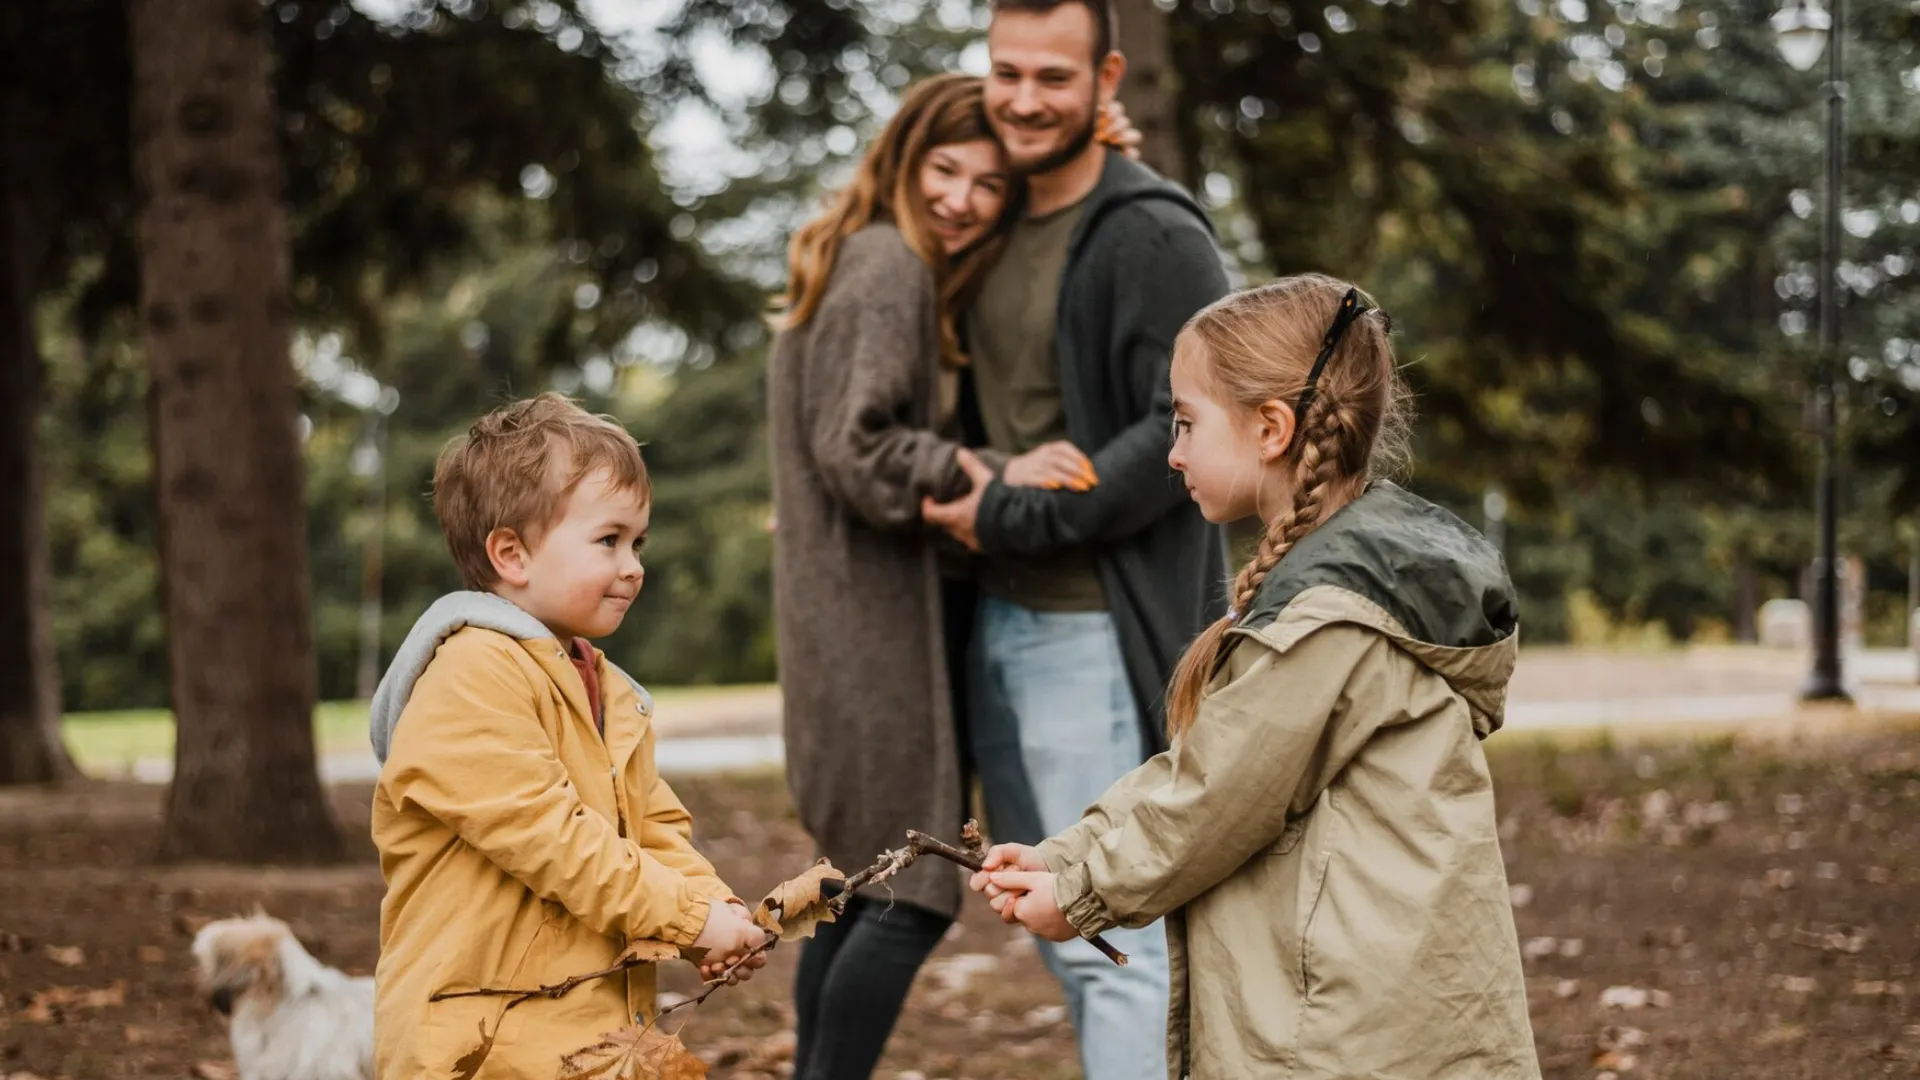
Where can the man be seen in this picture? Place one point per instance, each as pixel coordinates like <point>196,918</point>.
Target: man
<point>1090,596</point>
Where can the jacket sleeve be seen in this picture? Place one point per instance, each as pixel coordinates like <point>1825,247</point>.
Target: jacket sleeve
<point>872,347</point>
<point>468,753</point>
<point>1255,756</point>
<point>666,833</point>
<point>1159,282</point>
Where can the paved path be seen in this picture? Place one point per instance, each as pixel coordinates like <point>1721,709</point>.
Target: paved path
<point>1553,688</point>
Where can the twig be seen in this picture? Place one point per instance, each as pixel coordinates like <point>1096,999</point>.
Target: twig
<point>557,990</point>
<point>918,843</point>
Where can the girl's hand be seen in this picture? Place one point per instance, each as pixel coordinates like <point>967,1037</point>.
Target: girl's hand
<point>1028,900</point>
<point>1053,466</point>
<point>1004,857</point>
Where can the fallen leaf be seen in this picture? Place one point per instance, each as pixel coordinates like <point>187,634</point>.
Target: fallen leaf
<point>1572,947</point>
<point>468,1066</point>
<point>1878,988</point>
<point>1633,997</point>
<point>1794,984</point>
<point>152,954</point>
<point>72,956</point>
<point>1877,875</point>
<point>1620,1037</point>
<point>140,1036</point>
<point>215,1070</point>
<point>12,942</point>
<point>19,1076</point>
<point>1520,895</point>
<point>1566,988</point>
<point>635,1053</point>
<point>49,1006</point>
<point>1615,1061</point>
<point>1537,947</point>
<point>649,951</point>
<point>111,996</point>
<point>795,908</point>
<point>1786,1033</point>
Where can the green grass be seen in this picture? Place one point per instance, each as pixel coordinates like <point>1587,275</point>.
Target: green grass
<point>109,742</point>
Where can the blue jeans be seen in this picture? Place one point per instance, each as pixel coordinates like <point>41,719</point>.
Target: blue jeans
<point>1053,725</point>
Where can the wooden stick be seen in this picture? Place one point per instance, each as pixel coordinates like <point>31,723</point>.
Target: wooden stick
<point>929,845</point>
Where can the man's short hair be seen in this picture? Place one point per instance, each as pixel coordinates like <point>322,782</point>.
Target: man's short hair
<point>515,469</point>
<point>1106,25</point>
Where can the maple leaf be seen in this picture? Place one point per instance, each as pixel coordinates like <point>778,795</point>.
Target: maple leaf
<point>634,1053</point>
<point>796,907</point>
<point>72,956</point>
<point>469,1064</point>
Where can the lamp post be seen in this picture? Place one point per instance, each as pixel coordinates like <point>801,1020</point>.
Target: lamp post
<point>1804,30</point>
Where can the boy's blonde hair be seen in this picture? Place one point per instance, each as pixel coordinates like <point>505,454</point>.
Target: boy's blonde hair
<point>1259,345</point>
<point>515,468</point>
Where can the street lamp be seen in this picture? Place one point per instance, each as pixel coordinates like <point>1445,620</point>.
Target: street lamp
<point>1804,30</point>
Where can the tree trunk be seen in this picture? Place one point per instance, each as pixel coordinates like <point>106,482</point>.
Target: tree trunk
<point>1149,92</point>
<point>30,747</point>
<point>227,471</point>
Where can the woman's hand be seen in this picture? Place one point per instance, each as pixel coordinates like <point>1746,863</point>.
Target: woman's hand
<point>1114,129</point>
<point>1026,897</point>
<point>1053,466</point>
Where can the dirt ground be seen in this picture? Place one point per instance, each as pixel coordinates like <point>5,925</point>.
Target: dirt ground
<point>1708,907</point>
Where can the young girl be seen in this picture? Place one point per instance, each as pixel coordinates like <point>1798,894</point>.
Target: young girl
<point>1321,836</point>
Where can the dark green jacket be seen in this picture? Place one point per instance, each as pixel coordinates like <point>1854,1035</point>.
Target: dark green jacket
<point>1141,263</point>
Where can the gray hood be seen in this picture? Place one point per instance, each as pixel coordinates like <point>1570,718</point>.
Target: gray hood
<point>450,613</point>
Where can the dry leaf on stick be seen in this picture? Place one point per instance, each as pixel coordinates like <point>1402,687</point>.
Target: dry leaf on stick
<point>795,908</point>
<point>635,1053</point>
<point>469,1064</point>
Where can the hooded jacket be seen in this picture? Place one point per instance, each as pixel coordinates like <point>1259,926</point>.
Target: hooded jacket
<point>1140,263</point>
<point>519,846</point>
<point>1322,838</point>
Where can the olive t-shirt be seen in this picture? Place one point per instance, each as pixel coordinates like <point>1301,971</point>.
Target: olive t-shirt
<point>1017,381</point>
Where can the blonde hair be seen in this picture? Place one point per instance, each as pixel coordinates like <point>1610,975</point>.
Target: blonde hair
<point>939,111</point>
<point>515,468</point>
<point>1259,345</point>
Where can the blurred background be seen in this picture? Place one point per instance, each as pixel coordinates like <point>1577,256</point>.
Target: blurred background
<point>1602,228</point>
<point>1596,225</point>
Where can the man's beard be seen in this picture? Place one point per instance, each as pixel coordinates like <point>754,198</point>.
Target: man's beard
<point>1066,152</point>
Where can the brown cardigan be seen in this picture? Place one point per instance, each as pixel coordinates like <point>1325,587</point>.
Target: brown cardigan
<point>872,747</point>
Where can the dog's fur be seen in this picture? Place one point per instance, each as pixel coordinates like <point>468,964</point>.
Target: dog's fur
<point>291,1017</point>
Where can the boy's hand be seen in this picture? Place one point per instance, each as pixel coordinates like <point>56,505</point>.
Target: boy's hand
<point>1004,857</point>
<point>1026,897</point>
<point>729,935</point>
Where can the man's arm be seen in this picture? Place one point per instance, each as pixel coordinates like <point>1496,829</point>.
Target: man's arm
<point>1160,281</point>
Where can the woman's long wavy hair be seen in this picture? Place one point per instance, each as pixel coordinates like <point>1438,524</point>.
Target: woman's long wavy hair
<point>939,111</point>
<point>1258,346</point>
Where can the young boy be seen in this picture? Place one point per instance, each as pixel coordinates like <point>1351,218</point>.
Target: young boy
<point>524,833</point>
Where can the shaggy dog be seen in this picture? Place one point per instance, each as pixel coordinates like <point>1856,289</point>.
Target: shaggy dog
<point>291,1017</point>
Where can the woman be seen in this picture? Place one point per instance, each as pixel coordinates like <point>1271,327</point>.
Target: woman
<point>864,379</point>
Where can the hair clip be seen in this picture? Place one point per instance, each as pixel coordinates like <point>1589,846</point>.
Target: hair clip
<point>1351,308</point>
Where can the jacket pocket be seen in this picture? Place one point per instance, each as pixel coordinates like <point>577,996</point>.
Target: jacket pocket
<point>1318,860</point>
